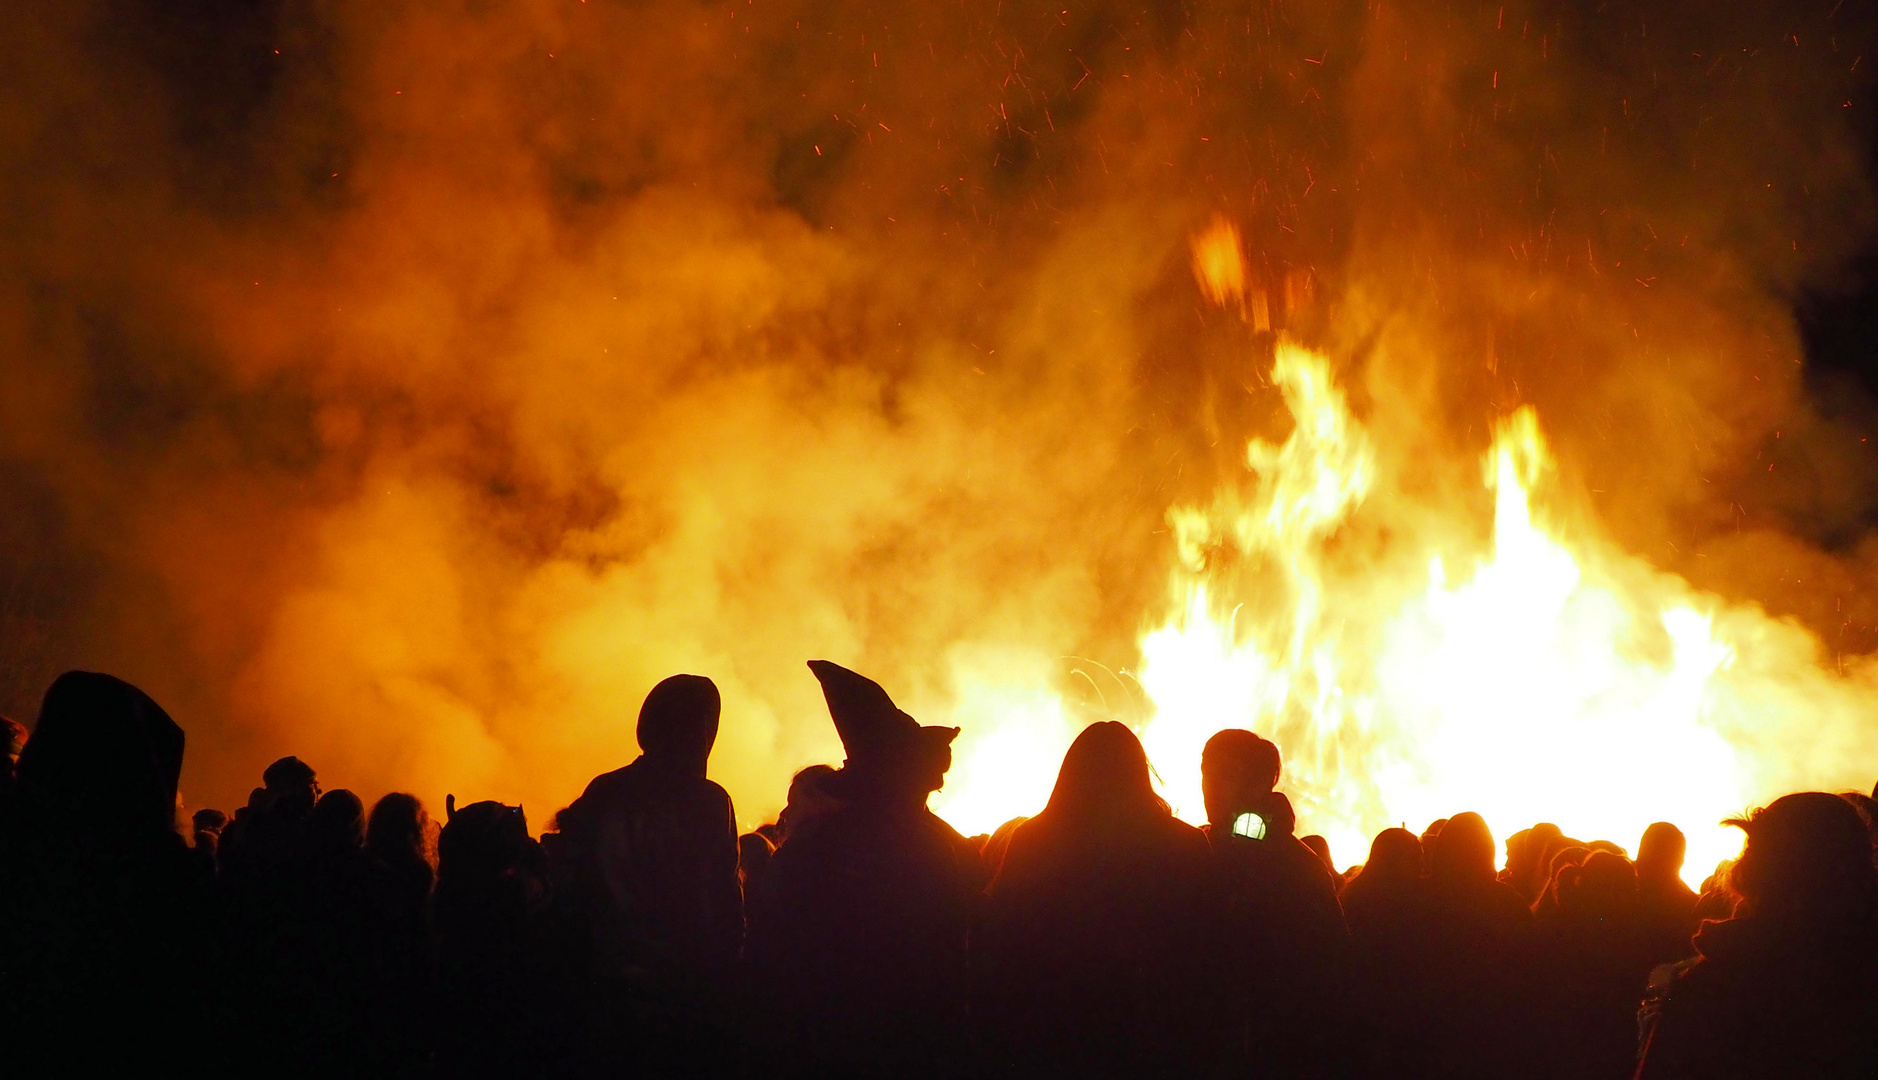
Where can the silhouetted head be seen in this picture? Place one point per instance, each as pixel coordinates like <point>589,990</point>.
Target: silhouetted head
<point>1395,855</point>
<point>102,762</point>
<point>1867,808</point>
<point>338,821</point>
<point>399,830</point>
<point>1104,778</point>
<point>1604,887</point>
<point>811,794</point>
<point>888,751</point>
<point>1463,851</point>
<point>678,722</point>
<point>1808,857</point>
<point>1523,852</point>
<point>1428,835</point>
<point>1660,853</point>
<point>292,787</point>
<point>208,820</point>
<point>1237,769</point>
<point>1321,848</point>
<point>480,843</point>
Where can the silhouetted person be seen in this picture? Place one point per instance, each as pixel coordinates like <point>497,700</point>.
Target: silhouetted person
<point>1665,905</point>
<point>1786,987</point>
<point>1469,991</point>
<point>1382,906</point>
<point>655,850</point>
<point>494,996</point>
<point>101,905</point>
<point>293,788</point>
<point>857,944</point>
<point>1380,901</point>
<point>332,1031</point>
<point>1591,969</point>
<point>400,840</point>
<point>1563,859</point>
<point>400,847</point>
<point>274,875</point>
<point>1095,935</point>
<point>1528,859</point>
<point>1283,958</point>
<point>810,796</point>
<point>1433,830</point>
<point>337,824</point>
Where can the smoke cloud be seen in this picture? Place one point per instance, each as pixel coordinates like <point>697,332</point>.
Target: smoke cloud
<point>409,387</point>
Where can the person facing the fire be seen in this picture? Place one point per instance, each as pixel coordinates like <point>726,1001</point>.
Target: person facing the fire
<point>1665,905</point>
<point>1785,987</point>
<point>654,853</point>
<point>857,943</point>
<point>101,906</point>
<point>1286,961</point>
<point>1091,954</point>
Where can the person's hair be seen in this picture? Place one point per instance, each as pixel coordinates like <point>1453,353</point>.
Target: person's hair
<point>1253,755</point>
<point>339,819</point>
<point>1603,885</point>
<point>1395,853</point>
<point>397,829</point>
<point>1808,856</point>
<point>287,772</point>
<point>1662,850</point>
<point>1462,851</point>
<point>1104,775</point>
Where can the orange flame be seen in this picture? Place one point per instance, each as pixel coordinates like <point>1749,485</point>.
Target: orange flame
<point>1554,679</point>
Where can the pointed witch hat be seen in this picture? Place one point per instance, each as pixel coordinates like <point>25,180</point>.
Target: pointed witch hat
<point>871,726</point>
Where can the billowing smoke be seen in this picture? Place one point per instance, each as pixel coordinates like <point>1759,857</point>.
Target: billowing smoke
<point>410,386</point>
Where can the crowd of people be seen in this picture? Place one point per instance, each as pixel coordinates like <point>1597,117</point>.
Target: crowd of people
<point>861,936</point>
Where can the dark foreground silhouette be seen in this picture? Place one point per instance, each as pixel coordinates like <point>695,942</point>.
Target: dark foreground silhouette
<point>861,936</point>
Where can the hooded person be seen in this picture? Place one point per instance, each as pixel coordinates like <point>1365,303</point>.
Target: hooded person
<point>102,907</point>
<point>1094,935</point>
<point>653,848</point>
<point>1785,988</point>
<point>858,945</point>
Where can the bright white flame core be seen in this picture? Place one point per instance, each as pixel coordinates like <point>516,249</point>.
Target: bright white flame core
<point>1533,690</point>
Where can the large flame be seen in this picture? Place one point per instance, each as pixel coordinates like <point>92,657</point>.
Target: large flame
<point>1551,677</point>
<point>1532,688</point>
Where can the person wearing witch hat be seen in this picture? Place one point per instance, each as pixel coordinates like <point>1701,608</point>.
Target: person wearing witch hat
<point>858,941</point>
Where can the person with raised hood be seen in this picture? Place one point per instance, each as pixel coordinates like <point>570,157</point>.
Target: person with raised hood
<point>858,941</point>
<point>654,853</point>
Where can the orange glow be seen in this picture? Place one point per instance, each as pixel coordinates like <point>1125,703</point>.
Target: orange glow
<point>1541,676</point>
